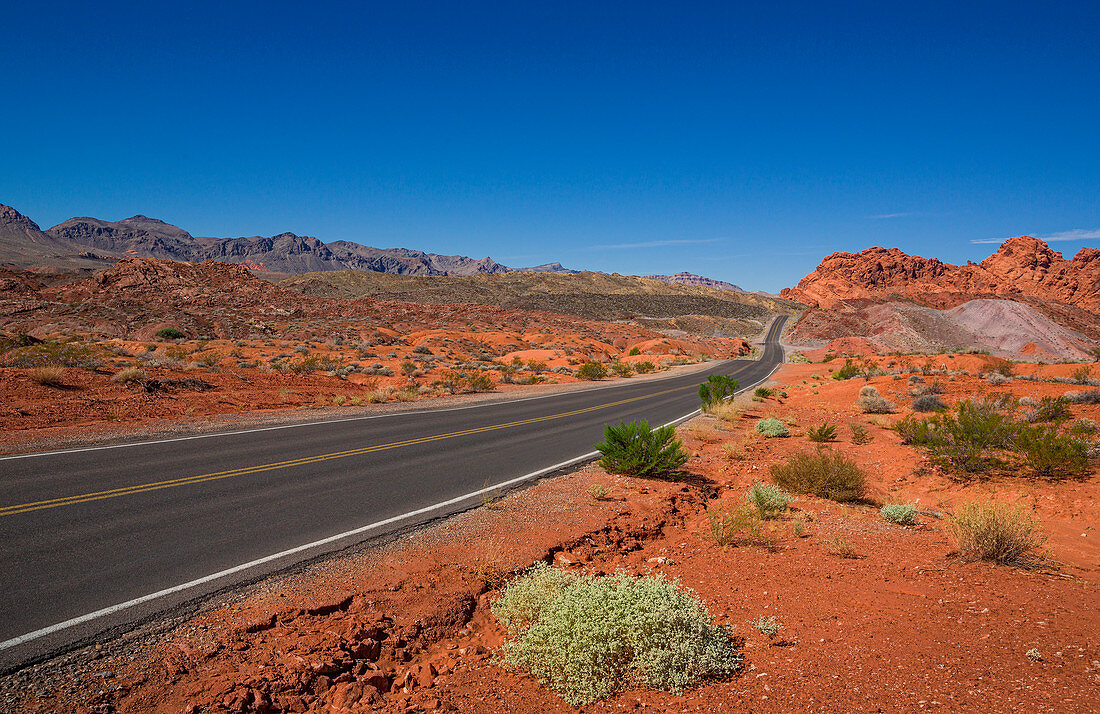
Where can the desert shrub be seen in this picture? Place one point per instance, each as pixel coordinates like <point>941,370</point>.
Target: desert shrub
<point>966,440</point>
<point>840,546</point>
<point>769,500</point>
<point>590,637</point>
<point>850,370</point>
<point>768,626</point>
<point>772,427</point>
<point>860,435</point>
<point>409,368</point>
<point>903,514</point>
<point>1090,396</point>
<point>644,367</point>
<point>717,388</point>
<point>798,358</point>
<point>928,403</point>
<point>622,369</point>
<point>871,402</point>
<point>763,392</point>
<point>1051,454</point>
<point>422,350</point>
<point>128,375</point>
<point>479,383</point>
<point>1082,375</point>
<point>822,434</point>
<point>52,353</point>
<point>823,473</point>
<point>997,379</point>
<point>49,376</point>
<point>635,449</point>
<point>170,333</point>
<point>726,411</point>
<point>591,371</point>
<point>733,527</point>
<point>996,532</point>
<point>313,363</point>
<point>1049,409</point>
<point>598,491</point>
<point>634,351</point>
<point>1084,426</point>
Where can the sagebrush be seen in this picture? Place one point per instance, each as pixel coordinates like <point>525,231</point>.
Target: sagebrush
<point>590,637</point>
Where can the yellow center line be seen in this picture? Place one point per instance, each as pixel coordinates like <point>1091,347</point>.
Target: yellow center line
<point>278,465</point>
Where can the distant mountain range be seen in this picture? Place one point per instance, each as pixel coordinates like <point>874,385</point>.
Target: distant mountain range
<point>81,243</point>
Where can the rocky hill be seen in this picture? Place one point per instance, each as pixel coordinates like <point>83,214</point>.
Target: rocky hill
<point>1021,267</point>
<point>698,280</point>
<point>660,305</point>
<point>1024,299</point>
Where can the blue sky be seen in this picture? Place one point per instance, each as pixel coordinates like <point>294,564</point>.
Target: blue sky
<point>738,141</point>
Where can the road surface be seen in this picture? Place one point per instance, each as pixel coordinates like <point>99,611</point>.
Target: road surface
<point>97,539</point>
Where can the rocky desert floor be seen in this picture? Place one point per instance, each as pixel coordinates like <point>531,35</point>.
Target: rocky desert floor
<point>874,616</point>
<point>88,359</point>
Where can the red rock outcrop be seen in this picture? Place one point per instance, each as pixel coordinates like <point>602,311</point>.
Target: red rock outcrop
<point>1021,267</point>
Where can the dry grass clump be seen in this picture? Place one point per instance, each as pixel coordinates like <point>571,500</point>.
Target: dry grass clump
<point>871,402</point>
<point>824,473</point>
<point>49,376</point>
<point>839,546</point>
<point>997,533</point>
<point>725,410</point>
<point>128,375</point>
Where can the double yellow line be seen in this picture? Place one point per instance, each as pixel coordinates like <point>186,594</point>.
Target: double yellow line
<point>244,471</point>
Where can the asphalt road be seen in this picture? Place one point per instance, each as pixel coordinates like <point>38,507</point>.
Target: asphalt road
<point>84,531</point>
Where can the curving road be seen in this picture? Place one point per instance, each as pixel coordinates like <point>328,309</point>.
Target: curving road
<point>101,538</point>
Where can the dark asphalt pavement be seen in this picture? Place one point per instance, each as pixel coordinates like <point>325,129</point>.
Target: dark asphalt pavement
<point>86,530</point>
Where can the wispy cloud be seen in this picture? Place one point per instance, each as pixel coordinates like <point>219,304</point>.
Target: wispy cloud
<point>1075,234</point>
<point>654,243</point>
<point>883,216</point>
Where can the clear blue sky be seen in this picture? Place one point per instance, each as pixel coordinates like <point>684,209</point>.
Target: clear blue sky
<point>738,141</point>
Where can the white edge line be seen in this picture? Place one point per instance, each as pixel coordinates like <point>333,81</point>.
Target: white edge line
<point>62,452</point>
<point>22,639</point>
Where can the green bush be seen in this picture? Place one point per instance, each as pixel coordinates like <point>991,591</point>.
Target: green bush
<point>860,434</point>
<point>592,371</point>
<point>903,514</point>
<point>717,388</point>
<point>997,533</point>
<point>969,439</point>
<point>850,370</point>
<point>823,473</point>
<point>763,392</point>
<point>822,434</point>
<point>644,367</point>
<point>637,450</point>
<point>634,351</point>
<point>1049,409</point>
<point>622,369</point>
<point>772,427</point>
<point>590,637</point>
<point>1050,454</point>
<point>170,333</point>
<point>769,500</point>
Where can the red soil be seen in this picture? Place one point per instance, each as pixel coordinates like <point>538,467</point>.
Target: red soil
<point>907,625</point>
<point>251,342</point>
